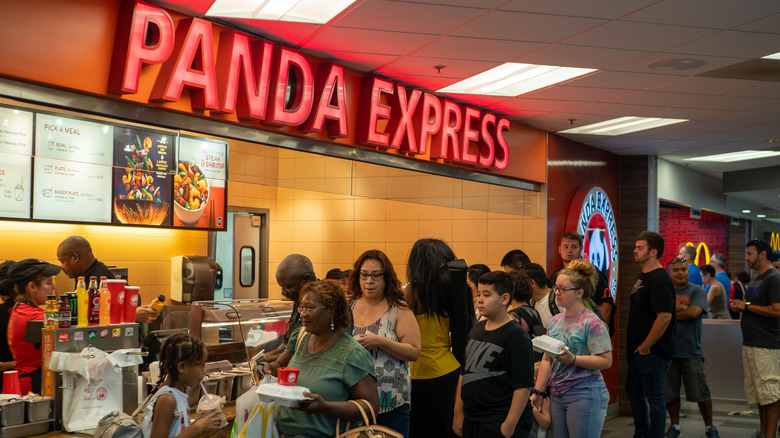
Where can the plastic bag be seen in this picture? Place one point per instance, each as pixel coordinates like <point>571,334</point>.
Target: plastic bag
<point>247,406</point>
<point>98,392</point>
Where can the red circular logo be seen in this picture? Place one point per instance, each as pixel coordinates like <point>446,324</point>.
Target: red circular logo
<point>134,300</point>
<point>121,298</point>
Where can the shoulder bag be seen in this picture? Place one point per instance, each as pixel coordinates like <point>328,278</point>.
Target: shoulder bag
<point>369,429</point>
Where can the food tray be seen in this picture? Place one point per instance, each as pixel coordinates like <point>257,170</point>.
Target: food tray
<point>547,344</point>
<point>12,412</point>
<point>41,409</point>
<point>288,396</point>
<point>26,430</point>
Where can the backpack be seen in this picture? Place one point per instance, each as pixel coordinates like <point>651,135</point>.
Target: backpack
<point>117,424</point>
<point>535,326</point>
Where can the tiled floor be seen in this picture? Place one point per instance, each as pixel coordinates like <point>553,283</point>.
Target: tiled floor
<point>737,426</point>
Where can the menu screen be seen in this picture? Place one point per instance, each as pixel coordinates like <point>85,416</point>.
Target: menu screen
<point>199,198</point>
<point>72,169</point>
<point>143,161</point>
<point>16,137</point>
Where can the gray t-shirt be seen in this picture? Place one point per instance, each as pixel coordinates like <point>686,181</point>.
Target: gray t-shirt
<point>762,331</point>
<point>687,340</point>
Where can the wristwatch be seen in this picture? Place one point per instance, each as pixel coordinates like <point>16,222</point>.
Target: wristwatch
<point>747,303</point>
<point>540,393</point>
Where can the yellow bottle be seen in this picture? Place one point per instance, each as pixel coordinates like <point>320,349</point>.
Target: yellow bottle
<point>82,302</point>
<point>51,313</point>
<point>158,303</point>
<point>105,302</point>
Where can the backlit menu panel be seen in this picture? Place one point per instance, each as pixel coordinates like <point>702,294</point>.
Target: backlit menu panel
<point>199,198</point>
<point>16,138</point>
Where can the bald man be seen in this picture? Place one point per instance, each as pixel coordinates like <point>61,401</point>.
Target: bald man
<point>77,260</point>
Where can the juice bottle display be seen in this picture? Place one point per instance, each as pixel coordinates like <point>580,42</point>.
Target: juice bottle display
<point>158,303</point>
<point>51,313</point>
<point>82,303</point>
<point>93,294</point>
<point>64,309</point>
<point>105,302</point>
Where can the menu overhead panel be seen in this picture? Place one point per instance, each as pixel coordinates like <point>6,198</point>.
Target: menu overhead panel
<point>72,169</point>
<point>16,129</point>
<point>143,162</point>
<point>199,198</point>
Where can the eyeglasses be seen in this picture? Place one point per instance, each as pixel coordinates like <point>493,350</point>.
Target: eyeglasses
<point>376,276</point>
<point>679,260</point>
<point>564,289</point>
<point>309,309</point>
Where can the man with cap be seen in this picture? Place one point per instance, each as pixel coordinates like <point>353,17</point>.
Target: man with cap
<point>33,281</point>
<point>760,323</point>
<point>6,288</point>
<point>77,260</point>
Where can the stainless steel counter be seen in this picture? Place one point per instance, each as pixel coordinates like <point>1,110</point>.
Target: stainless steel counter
<point>721,341</point>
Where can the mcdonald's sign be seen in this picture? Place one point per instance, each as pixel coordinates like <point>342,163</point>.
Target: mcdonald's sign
<point>701,246</point>
<point>774,240</point>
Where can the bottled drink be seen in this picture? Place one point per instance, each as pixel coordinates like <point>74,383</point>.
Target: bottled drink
<point>82,303</point>
<point>51,313</point>
<point>105,302</point>
<point>64,308</point>
<point>74,318</point>
<point>93,312</point>
<point>158,303</point>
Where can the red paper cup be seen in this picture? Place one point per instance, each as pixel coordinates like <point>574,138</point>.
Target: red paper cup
<point>117,289</point>
<point>131,303</point>
<point>11,383</point>
<point>287,376</point>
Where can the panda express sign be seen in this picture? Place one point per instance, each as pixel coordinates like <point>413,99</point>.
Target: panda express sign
<point>591,216</point>
<point>233,73</point>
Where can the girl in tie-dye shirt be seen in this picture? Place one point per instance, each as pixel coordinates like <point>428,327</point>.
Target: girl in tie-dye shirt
<point>577,392</point>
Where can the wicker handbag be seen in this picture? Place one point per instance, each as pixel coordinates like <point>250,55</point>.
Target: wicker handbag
<point>369,429</point>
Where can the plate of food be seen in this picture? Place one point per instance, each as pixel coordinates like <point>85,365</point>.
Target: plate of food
<point>190,192</point>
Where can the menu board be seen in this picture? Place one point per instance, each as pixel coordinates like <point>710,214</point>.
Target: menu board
<point>199,199</point>
<point>72,169</point>
<point>16,138</point>
<point>143,162</point>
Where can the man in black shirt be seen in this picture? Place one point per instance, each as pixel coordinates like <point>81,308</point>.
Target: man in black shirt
<point>649,341</point>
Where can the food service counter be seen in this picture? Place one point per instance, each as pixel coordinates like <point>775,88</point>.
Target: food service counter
<point>721,341</point>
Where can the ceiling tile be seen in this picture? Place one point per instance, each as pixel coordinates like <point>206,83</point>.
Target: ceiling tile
<point>455,68</point>
<point>480,4</point>
<point>771,91</point>
<point>567,92</point>
<point>703,85</point>
<point>769,24</point>
<point>477,49</point>
<point>368,41</point>
<point>536,105</point>
<point>624,80</point>
<point>734,103</point>
<point>640,65</point>
<point>736,44</point>
<point>638,36</point>
<point>518,26</point>
<point>610,9</point>
<point>705,13</point>
<point>408,17</point>
<point>364,62</point>
<point>580,56</point>
<point>655,98</point>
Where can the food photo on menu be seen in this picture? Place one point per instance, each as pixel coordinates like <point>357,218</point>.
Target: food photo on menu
<point>142,177</point>
<point>199,183</point>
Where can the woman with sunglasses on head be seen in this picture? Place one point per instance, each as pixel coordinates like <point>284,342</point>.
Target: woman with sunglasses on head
<point>385,325</point>
<point>577,391</point>
<point>332,365</point>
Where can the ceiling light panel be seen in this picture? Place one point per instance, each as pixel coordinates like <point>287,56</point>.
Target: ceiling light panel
<point>513,79</point>
<point>622,125</point>
<point>732,157</point>
<point>301,11</point>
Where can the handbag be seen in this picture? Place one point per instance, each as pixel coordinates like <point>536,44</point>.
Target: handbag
<point>117,424</point>
<point>369,429</point>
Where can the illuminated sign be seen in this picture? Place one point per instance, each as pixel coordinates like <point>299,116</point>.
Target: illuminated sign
<point>773,239</point>
<point>263,83</point>
<point>591,216</point>
<point>701,246</point>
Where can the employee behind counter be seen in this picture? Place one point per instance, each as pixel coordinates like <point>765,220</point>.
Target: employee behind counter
<point>77,260</point>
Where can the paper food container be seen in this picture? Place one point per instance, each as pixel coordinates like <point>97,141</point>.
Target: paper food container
<point>288,396</point>
<point>547,344</point>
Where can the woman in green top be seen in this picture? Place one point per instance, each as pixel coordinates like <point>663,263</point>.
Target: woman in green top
<point>332,365</point>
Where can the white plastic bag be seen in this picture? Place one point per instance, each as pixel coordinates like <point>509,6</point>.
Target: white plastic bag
<point>253,417</point>
<point>98,392</point>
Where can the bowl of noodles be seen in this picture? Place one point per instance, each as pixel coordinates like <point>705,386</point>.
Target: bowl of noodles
<point>190,192</point>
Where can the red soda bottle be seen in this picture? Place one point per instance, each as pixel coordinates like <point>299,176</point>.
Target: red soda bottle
<point>65,311</point>
<point>93,314</point>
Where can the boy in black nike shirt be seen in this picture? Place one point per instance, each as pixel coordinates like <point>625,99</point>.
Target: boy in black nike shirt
<point>495,381</point>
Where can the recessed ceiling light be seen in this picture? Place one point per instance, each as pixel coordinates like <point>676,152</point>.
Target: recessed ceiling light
<point>676,64</point>
<point>772,56</point>
<point>735,156</point>
<point>745,211</point>
<point>622,125</point>
<point>302,11</point>
<point>513,79</point>
<point>760,215</point>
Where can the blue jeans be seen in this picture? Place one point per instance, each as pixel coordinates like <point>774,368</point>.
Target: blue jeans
<point>397,419</point>
<point>645,379</point>
<point>580,411</point>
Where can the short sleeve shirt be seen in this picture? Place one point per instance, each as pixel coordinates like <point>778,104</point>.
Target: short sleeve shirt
<point>762,331</point>
<point>687,339</point>
<point>694,275</point>
<point>652,293</point>
<point>329,374</point>
<point>497,362</point>
<point>584,334</point>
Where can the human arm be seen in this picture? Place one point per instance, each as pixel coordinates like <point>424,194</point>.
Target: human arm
<point>770,311</point>
<point>164,408</point>
<point>364,389</point>
<point>606,310</point>
<point>685,313</point>
<point>542,415</point>
<point>5,366</point>
<point>459,415</point>
<point>599,361</point>
<point>662,320</point>
<point>519,400</point>
<point>273,355</point>
<point>542,378</point>
<point>281,361</point>
<point>146,314</point>
<point>408,332</point>
<point>716,290</point>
